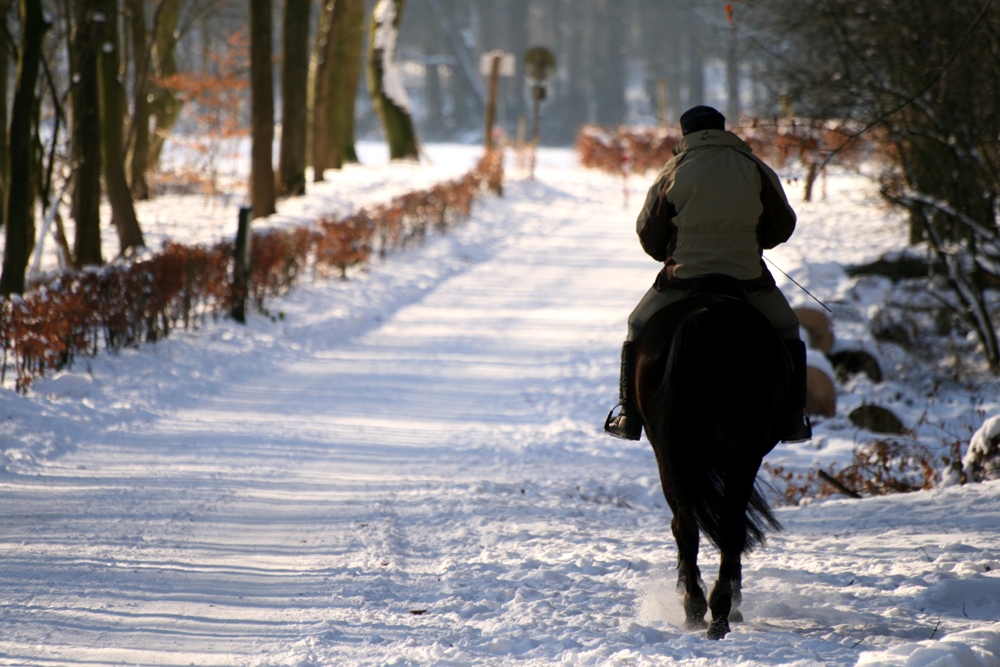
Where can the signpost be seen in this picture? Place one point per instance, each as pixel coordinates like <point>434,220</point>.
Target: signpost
<point>493,65</point>
<point>539,64</point>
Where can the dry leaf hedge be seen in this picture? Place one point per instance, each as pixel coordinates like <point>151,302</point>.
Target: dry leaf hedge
<point>132,301</point>
<point>640,149</point>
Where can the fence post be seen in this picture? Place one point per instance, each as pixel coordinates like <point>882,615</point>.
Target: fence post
<point>241,266</point>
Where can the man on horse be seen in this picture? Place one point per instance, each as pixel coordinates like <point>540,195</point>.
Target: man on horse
<point>713,210</point>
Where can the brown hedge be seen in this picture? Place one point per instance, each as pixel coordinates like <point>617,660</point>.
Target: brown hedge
<point>637,149</point>
<point>625,149</point>
<point>139,300</point>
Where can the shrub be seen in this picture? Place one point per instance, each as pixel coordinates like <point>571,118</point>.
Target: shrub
<point>142,299</point>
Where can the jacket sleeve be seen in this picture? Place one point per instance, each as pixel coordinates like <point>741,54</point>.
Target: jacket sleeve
<point>655,223</point>
<point>777,220</point>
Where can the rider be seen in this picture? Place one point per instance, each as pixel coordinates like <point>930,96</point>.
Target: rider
<point>713,209</point>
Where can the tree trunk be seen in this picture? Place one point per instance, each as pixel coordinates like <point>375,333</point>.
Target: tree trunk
<point>385,82</point>
<point>321,92</point>
<point>733,62</point>
<point>86,139</point>
<point>609,71</point>
<point>112,107</point>
<point>353,57</point>
<point>294,82</point>
<point>141,112</point>
<point>434,126</point>
<point>19,201</point>
<point>695,74</point>
<point>345,55</point>
<point>166,106</point>
<point>262,190</point>
<point>5,49</point>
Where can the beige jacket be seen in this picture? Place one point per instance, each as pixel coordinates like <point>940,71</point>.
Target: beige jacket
<point>714,208</point>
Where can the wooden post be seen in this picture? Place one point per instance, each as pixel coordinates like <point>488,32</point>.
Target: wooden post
<point>491,101</point>
<point>241,266</point>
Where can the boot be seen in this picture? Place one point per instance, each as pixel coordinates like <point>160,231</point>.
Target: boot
<point>797,427</point>
<point>627,424</point>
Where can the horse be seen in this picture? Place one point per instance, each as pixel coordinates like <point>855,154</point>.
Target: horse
<point>712,381</point>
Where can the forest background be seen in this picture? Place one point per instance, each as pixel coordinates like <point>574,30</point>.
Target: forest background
<point>96,89</point>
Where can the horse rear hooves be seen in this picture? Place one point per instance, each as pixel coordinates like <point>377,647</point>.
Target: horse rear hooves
<point>736,616</point>
<point>695,624</point>
<point>718,629</point>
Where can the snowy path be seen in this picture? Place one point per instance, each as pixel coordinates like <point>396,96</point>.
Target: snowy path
<point>422,481</point>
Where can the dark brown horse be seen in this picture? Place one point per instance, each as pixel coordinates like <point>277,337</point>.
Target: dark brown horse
<point>712,382</point>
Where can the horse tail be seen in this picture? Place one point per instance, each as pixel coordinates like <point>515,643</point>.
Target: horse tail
<point>760,518</point>
<point>702,355</point>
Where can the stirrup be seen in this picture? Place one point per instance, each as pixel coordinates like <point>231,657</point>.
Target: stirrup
<point>797,428</point>
<point>625,425</point>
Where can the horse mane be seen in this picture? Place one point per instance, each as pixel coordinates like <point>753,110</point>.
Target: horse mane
<point>714,407</point>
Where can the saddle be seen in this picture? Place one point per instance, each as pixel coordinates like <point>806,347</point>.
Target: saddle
<point>718,284</point>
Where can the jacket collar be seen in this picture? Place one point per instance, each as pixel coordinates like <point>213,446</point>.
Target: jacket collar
<point>704,138</point>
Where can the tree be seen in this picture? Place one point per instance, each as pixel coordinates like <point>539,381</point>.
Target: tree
<point>339,65</point>
<point>5,49</point>
<point>929,89</point>
<point>294,88</point>
<point>86,138</point>
<point>351,57</point>
<point>262,187</point>
<point>112,111</point>
<point>321,84</point>
<point>385,83</point>
<point>20,195</point>
<point>138,137</point>
<point>166,107</point>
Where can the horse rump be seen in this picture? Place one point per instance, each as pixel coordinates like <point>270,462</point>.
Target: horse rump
<point>712,382</point>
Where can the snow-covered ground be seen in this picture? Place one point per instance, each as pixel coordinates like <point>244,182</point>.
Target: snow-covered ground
<point>407,468</point>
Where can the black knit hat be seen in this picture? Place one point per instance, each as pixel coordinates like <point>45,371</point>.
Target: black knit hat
<point>702,118</point>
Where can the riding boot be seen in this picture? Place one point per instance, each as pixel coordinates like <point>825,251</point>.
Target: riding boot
<point>627,424</point>
<point>797,427</point>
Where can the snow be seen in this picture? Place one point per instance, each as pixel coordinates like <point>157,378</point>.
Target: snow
<point>981,456</point>
<point>407,467</point>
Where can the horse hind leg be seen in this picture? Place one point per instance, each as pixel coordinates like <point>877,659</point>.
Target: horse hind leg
<point>725,597</point>
<point>727,592</point>
<point>688,575</point>
<point>735,615</point>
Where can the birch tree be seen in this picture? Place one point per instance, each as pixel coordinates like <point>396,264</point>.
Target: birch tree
<point>385,81</point>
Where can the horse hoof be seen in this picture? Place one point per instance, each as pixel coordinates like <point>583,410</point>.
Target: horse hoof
<point>695,624</point>
<point>736,616</point>
<point>718,629</point>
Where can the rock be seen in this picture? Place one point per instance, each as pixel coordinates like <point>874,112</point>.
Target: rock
<point>898,266</point>
<point>821,393</point>
<point>877,419</point>
<point>851,362</point>
<point>819,327</point>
